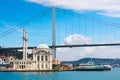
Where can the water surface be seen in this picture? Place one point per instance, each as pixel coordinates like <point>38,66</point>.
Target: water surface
<point>114,74</point>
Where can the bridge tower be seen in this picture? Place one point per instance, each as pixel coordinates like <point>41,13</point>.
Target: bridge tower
<point>53,32</point>
<point>24,44</point>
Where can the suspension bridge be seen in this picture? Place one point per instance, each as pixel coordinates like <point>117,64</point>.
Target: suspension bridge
<point>84,25</point>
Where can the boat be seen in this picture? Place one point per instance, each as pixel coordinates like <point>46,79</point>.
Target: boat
<point>91,67</point>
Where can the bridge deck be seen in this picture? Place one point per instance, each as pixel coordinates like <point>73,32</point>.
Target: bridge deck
<point>69,46</point>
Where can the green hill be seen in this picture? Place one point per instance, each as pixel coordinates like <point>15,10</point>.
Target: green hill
<point>97,61</point>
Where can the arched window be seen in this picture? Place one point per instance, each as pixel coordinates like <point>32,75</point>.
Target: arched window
<point>42,58</point>
<point>38,58</point>
<point>46,58</point>
<point>38,65</point>
<point>22,66</point>
<point>42,66</point>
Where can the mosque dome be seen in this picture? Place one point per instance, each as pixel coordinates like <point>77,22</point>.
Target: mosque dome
<point>42,45</point>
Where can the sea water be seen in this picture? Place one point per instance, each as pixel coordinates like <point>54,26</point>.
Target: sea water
<point>114,74</point>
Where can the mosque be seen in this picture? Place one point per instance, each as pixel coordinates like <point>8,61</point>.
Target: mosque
<point>42,60</point>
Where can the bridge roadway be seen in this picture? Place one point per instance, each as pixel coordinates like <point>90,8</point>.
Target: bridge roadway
<point>63,46</point>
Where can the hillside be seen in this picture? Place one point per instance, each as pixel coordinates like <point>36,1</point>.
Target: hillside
<point>97,61</point>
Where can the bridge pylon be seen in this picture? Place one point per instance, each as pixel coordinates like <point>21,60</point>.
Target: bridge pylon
<point>53,32</point>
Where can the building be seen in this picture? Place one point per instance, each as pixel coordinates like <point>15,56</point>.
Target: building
<point>4,63</point>
<point>41,60</point>
<point>65,67</point>
<point>42,57</point>
<point>56,62</point>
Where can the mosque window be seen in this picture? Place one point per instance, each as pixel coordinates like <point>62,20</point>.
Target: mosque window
<point>46,65</point>
<point>41,65</point>
<point>38,58</point>
<point>22,66</point>
<point>42,58</point>
<point>46,58</point>
<point>38,65</point>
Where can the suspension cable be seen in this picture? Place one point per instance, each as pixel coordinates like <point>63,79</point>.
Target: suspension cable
<point>19,26</point>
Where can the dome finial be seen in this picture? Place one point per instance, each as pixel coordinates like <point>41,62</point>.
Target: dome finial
<point>42,42</point>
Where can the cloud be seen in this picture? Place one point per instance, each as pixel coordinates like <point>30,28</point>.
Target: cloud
<point>106,52</point>
<point>104,7</point>
<point>81,52</point>
<point>77,39</point>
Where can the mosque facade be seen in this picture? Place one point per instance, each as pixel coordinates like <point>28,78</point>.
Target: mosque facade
<point>41,60</point>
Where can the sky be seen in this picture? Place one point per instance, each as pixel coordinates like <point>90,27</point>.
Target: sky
<point>77,22</point>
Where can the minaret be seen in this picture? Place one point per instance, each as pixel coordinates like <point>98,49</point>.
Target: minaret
<point>24,44</point>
